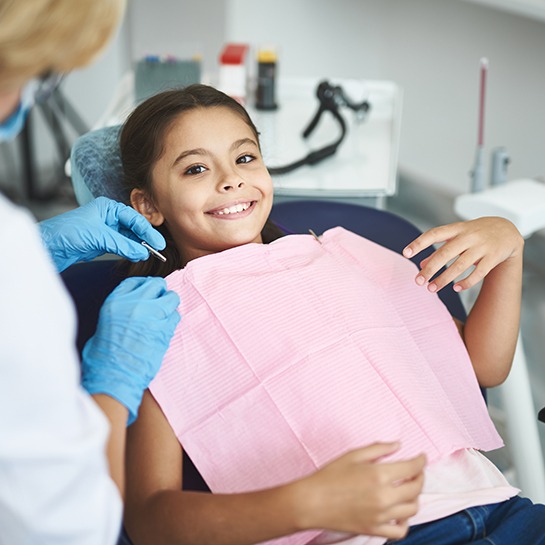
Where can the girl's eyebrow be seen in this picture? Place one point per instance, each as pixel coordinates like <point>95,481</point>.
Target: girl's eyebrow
<point>201,151</point>
<point>243,142</point>
<point>184,154</point>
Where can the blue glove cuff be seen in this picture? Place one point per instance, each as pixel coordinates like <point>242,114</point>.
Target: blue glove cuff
<point>117,387</point>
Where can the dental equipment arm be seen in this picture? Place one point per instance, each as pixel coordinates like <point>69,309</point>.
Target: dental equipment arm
<point>101,226</point>
<point>330,98</point>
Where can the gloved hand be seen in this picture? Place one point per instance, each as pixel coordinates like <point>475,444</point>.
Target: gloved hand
<point>135,325</point>
<point>101,226</point>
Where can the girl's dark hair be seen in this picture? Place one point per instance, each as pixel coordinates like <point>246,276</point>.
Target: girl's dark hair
<point>141,145</point>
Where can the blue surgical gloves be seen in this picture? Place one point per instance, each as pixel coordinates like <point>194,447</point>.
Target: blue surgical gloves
<point>138,319</point>
<point>102,226</point>
<point>135,325</point>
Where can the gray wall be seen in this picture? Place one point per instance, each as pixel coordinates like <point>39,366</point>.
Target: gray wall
<point>178,27</point>
<point>432,49</point>
<point>429,47</point>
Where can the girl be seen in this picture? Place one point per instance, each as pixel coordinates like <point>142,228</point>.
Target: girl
<point>302,384</point>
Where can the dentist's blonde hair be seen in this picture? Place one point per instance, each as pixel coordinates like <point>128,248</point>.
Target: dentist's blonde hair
<point>40,36</point>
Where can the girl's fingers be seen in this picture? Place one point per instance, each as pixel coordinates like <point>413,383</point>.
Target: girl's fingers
<point>470,250</point>
<point>460,266</point>
<point>424,262</point>
<point>473,264</point>
<point>481,270</point>
<point>401,512</point>
<point>431,237</point>
<point>458,254</point>
<point>405,470</point>
<point>394,529</point>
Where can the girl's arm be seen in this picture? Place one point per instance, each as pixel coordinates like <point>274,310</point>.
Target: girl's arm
<point>354,494</point>
<point>495,248</point>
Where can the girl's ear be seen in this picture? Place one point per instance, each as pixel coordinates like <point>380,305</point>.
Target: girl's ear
<point>142,203</point>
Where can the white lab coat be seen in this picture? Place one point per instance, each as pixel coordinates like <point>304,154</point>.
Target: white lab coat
<point>54,481</point>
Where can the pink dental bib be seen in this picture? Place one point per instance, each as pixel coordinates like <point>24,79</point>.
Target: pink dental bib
<point>290,354</point>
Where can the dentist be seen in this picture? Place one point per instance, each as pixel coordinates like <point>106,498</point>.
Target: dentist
<point>62,429</point>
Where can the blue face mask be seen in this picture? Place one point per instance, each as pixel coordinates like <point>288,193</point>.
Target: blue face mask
<point>13,125</point>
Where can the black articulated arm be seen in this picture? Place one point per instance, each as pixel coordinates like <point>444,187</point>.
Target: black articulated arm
<point>331,98</point>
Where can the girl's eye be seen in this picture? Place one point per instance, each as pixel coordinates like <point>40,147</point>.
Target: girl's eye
<point>195,169</point>
<point>245,159</point>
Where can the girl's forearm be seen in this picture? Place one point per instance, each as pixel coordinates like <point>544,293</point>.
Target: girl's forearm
<point>197,518</point>
<point>355,494</point>
<point>492,326</point>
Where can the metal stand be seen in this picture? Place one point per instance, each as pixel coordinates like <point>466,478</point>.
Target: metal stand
<point>522,202</point>
<point>525,446</point>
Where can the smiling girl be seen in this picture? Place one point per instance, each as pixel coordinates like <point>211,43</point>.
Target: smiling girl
<point>205,197</point>
<point>302,383</point>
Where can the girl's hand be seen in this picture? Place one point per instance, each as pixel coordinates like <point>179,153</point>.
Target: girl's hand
<point>483,243</point>
<point>360,494</point>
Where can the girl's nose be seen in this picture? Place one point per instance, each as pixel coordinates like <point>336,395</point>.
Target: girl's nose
<point>231,182</point>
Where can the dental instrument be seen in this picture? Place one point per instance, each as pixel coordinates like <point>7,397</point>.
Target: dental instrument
<point>154,252</point>
<point>315,235</point>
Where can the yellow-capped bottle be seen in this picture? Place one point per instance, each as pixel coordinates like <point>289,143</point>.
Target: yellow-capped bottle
<point>266,79</point>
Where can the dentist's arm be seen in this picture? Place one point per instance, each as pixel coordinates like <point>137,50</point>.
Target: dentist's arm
<point>101,226</point>
<point>134,330</point>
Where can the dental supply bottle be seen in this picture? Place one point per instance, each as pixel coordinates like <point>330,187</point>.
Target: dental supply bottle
<point>233,73</point>
<point>266,80</point>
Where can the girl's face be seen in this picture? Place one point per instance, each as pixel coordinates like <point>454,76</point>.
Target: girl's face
<point>210,185</point>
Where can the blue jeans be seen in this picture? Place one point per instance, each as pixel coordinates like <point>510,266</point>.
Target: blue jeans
<point>516,521</point>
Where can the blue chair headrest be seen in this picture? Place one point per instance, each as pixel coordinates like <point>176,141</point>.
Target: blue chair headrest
<point>96,166</point>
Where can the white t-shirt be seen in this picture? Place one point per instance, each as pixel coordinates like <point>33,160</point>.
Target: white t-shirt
<point>459,481</point>
<point>54,481</point>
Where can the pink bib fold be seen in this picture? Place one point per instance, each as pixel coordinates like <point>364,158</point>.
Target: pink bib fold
<point>290,354</point>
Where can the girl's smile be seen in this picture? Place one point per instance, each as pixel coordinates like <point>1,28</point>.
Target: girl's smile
<point>234,211</point>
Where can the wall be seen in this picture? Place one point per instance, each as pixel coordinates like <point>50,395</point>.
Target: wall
<point>178,27</point>
<point>529,8</point>
<point>432,49</point>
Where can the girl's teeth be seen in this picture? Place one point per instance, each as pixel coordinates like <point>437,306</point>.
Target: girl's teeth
<point>234,209</point>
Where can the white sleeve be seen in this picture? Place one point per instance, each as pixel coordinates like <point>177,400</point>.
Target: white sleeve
<point>54,481</point>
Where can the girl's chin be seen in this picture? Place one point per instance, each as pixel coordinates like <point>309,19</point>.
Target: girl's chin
<point>241,240</point>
